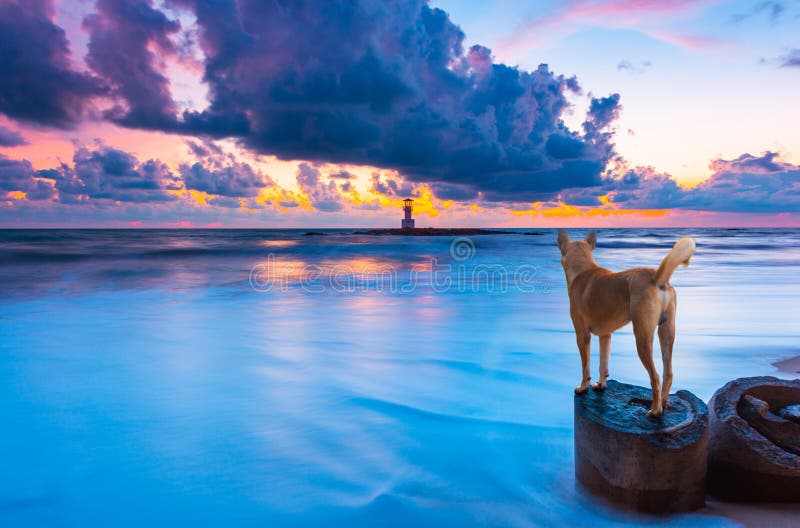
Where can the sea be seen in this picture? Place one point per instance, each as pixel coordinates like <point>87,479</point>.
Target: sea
<point>334,378</point>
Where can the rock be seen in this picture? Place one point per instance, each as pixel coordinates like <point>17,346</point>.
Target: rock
<point>779,431</point>
<point>791,412</point>
<point>434,231</point>
<point>651,465</point>
<point>753,451</point>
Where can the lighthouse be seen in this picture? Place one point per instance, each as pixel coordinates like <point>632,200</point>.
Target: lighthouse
<point>408,222</point>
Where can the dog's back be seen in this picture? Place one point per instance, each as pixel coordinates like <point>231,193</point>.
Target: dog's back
<point>607,300</point>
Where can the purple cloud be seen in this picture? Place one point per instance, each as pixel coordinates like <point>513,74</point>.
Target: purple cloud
<point>392,187</point>
<point>232,180</point>
<point>11,138</point>
<point>382,83</point>
<point>747,184</point>
<point>324,196</point>
<point>20,176</point>
<point>38,83</point>
<point>110,174</point>
<point>125,37</point>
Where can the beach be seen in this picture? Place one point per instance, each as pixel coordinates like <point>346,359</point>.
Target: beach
<point>789,366</point>
<point>265,377</point>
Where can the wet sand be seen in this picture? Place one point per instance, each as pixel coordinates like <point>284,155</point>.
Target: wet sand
<point>791,365</point>
<point>756,515</point>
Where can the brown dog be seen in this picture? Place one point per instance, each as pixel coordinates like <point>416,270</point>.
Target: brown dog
<point>601,301</point>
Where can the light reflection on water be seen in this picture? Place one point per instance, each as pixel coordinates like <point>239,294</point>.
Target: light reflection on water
<point>147,382</point>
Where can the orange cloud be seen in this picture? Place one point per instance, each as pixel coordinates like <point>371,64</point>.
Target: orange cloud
<point>564,210</point>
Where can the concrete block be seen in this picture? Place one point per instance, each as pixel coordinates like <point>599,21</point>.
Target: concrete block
<point>754,445</point>
<point>651,465</point>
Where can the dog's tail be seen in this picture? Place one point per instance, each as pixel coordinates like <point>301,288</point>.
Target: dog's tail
<point>680,253</point>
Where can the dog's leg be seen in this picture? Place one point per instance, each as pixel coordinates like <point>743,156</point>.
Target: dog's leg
<point>605,351</point>
<point>666,338</point>
<point>644,347</point>
<point>584,339</point>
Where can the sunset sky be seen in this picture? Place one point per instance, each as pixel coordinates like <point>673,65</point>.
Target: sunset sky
<point>251,113</point>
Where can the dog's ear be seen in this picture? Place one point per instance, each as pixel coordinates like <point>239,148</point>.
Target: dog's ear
<point>563,240</point>
<point>591,239</point>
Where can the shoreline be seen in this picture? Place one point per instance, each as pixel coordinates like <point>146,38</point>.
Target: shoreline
<point>789,366</point>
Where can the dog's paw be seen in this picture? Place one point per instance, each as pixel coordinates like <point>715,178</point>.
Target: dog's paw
<point>654,414</point>
<point>599,386</point>
<point>581,389</point>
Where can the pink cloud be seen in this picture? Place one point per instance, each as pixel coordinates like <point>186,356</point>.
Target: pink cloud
<point>613,13</point>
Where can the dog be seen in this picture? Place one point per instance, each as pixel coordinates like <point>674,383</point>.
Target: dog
<point>601,301</point>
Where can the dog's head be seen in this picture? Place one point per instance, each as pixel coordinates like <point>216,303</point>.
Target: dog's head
<point>576,255</point>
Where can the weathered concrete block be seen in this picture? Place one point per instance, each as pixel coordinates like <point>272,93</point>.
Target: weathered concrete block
<point>656,466</point>
<point>754,447</point>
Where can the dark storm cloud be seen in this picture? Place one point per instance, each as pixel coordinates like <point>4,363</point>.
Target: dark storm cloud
<point>37,82</point>
<point>747,184</point>
<point>388,83</point>
<point>231,180</point>
<point>446,191</point>
<point>110,174</point>
<point>602,112</point>
<point>19,176</point>
<point>379,82</point>
<point>125,40</point>
<point>11,138</point>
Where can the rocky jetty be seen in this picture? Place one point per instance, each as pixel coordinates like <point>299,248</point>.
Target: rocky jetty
<point>435,231</point>
<point>651,465</point>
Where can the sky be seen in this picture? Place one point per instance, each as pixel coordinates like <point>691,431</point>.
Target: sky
<point>247,113</point>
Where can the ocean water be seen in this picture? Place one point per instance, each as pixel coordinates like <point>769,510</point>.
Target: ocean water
<point>274,378</point>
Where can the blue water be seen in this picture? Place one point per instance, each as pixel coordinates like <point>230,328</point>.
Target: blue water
<point>270,378</point>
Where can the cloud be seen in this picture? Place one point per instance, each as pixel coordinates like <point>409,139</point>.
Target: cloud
<point>697,42</point>
<point>634,67</point>
<point>37,83</point>
<point>381,83</point>
<point>204,149</point>
<point>233,180</point>
<point>341,175</point>
<point>602,112</point>
<point>773,10</point>
<point>567,16</point>
<point>392,187</point>
<point>11,138</point>
<point>324,196</point>
<point>746,184</point>
<point>460,193</point>
<point>791,59</point>
<point>19,176</point>
<point>110,174</point>
<point>126,42</point>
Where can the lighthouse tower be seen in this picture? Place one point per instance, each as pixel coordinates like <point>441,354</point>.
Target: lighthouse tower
<point>408,222</point>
